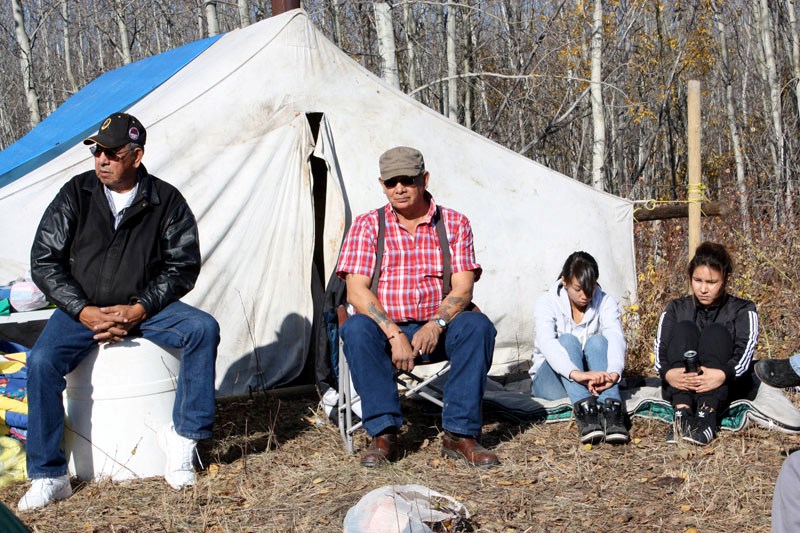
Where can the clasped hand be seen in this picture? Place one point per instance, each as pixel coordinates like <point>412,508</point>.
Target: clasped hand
<point>404,351</point>
<point>710,379</point>
<point>594,380</point>
<point>112,324</point>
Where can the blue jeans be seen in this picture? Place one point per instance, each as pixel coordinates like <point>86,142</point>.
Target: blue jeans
<point>65,342</point>
<point>794,361</point>
<point>594,356</point>
<point>468,343</point>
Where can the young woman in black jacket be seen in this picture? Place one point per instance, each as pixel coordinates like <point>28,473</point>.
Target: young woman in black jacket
<point>721,330</point>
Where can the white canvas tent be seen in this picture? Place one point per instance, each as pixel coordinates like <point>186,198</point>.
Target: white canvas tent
<point>230,130</point>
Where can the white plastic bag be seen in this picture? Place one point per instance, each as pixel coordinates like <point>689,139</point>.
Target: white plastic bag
<point>403,509</point>
<point>26,296</point>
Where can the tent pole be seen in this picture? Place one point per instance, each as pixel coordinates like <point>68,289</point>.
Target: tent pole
<point>282,6</point>
<point>695,168</point>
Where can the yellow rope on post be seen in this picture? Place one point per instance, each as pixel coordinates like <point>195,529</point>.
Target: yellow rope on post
<point>698,191</point>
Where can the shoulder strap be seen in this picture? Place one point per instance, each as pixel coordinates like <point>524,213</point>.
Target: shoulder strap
<point>445,246</point>
<point>376,274</point>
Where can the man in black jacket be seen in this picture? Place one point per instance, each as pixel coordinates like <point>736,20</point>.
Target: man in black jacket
<point>115,251</point>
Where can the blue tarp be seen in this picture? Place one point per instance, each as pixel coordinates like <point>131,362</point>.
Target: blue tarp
<point>81,114</point>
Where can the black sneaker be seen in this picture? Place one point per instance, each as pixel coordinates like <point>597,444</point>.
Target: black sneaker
<point>681,424</point>
<point>705,427</point>
<point>587,416</point>
<point>777,373</point>
<point>614,422</point>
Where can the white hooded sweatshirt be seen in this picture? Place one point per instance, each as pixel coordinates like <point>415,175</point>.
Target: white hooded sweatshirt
<point>553,318</point>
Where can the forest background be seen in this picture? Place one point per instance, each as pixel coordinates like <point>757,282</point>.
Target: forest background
<point>593,89</point>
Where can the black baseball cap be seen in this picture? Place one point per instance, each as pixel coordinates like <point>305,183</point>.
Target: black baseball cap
<point>117,130</point>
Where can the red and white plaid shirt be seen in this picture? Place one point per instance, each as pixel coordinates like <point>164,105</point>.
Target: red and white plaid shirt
<point>410,283</point>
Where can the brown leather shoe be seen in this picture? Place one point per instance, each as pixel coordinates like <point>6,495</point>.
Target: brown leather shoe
<point>383,449</point>
<point>468,449</point>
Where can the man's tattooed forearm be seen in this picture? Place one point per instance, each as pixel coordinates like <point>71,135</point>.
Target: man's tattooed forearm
<point>451,306</point>
<point>377,315</point>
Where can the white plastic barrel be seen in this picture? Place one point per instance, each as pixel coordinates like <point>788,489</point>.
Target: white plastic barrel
<point>116,400</point>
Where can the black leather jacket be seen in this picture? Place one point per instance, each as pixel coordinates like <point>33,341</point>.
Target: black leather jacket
<point>153,257</point>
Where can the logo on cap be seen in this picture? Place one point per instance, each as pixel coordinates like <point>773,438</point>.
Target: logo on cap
<point>133,133</point>
<point>106,123</point>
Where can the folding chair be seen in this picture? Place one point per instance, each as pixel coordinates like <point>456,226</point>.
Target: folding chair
<point>410,385</point>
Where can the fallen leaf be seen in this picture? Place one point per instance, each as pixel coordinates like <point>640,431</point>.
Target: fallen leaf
<point>685,508</point>
<point>587,446</point>
<point>317,481</point>
<point>637,440</point>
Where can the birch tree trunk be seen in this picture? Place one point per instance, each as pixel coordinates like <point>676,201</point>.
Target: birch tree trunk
<point>598,116</point>
<point>790,7</point>
<point>211,17</point>
<point>25,63</point>
<point>159,38</point>
<point>122,26</point>
<point>466,24</point>
<point>411,49</point>
<point>101,55</point>
<point>765,27</point>
<point>452,65</point>
<point>244,13</point>
<point>337,23</point>
<point>73,85</point>
<point>386,48</point>
<point>731,115</point>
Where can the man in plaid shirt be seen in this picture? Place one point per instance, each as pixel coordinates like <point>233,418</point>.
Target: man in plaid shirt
<point>410,316</point>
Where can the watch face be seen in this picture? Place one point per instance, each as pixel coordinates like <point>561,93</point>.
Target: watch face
<point>441,323</point>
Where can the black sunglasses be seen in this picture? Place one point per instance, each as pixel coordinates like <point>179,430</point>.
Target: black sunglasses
<point>407,181</point>
<point>111,153</point>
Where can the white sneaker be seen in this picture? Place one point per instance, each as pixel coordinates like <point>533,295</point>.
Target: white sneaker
<point>44,491</point>
<point>179,470</point>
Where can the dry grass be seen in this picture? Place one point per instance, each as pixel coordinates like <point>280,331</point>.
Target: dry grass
<point>273,466</point>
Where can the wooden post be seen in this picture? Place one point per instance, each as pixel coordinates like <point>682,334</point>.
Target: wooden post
<point>695,166</point>
<point>282,6</point>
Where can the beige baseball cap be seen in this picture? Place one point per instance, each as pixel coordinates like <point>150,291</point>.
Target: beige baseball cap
<point>401,161</point>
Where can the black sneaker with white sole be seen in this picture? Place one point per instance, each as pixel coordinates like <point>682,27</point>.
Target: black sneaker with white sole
<point>681,424</point>
<point>704,428</point>
<point>614,422</point>
<point>587,416</point>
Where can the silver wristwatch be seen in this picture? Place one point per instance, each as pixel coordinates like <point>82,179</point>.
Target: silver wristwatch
<point>441,322</point>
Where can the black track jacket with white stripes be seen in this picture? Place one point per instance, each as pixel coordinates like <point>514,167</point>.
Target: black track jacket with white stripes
<point>739,317</point>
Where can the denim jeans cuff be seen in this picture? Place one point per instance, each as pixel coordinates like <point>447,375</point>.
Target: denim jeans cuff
<point>47,475</point>
<point>376,425</point>
<point>462,430</point>
<point>196,435</point>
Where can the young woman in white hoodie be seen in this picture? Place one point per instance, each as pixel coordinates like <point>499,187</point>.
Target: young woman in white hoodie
<point>580,351</point>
